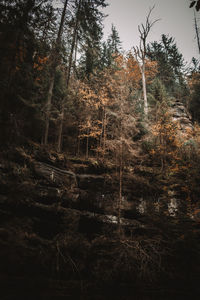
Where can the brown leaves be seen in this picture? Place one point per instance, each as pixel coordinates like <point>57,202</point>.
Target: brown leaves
<point>40,63</point>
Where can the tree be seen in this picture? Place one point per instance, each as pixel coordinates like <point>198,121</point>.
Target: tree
<point>195,3</point>
<point>87,13</point>
<point>113,41</point>
<point>22,24</point>
<point>170,64</point>
<point>19,23</point>
<point>54,63</point>
<point>119,125</point>
<point>141,53</point>
<point>111,48</point>
<point>197,31</point>
<point>90,35</point>
<point>68,73</point>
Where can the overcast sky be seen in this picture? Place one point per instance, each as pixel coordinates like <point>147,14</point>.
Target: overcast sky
<point>177,20</point>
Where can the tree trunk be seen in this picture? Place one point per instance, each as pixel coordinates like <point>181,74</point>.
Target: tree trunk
<point>120,173</point>
<point>78,147</point>
<point>104,132</point>
<point>120,190</point>
<point>76,51</point>
<point>54,63</point>
<point>144,89</point>
<point>60,130</point>
<point>197,31</point>
<point>48,109</point>
<point>87,146</point>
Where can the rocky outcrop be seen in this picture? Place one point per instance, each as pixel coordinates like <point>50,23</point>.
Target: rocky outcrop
<point>59,231</point>
<point>43,185</point>
<point>181,116</point>
<point>55,175</point>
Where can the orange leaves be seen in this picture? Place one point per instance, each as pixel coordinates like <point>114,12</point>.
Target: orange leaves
<point>133,71</point>
<point>151,70</point>
<point>91,128</point>
<point>106,118</point>
<point>167,142</point>
<point>129,70</point>
<point>41,62</point>
<point>172,149</point>
<point>88,96</point>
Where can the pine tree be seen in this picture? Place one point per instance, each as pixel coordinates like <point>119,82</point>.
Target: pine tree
<point>87,13</point>
<point>170,62</point>
<point>20,21</point>
<point>22,24</point>
<point>90,35</point>
<point>111,48</point>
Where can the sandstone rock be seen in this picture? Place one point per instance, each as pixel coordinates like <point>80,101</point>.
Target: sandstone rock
<point>55,176</point>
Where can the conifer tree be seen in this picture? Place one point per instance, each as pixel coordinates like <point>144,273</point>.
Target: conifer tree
<point>54,63</point>
<point>111,48</point>
<point>87,13</point>
<point>170,62</point>
<point>22,24</point>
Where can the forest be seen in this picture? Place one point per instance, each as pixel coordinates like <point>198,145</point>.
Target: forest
<point>99,157</point>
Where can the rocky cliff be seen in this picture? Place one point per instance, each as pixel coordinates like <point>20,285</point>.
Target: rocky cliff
<point>60,237</point>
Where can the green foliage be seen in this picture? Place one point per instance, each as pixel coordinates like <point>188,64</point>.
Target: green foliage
<point>147,145</point>
<point>25,30</point>
<point>110,49</point>
<point>90,34</point>
<point>114,43</point>
<point>157,93</point>
<point>170,62</point>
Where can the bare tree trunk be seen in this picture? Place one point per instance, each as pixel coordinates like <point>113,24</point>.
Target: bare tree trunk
<point>87,146</point>
<point>141,51</point>
<point>78,142</point>
<point>141,64</point>
<point>197,31</point>
<point>101,135</point>
<point>48,109</point>
<point>120,190</point>
<point>120,173</point>
<point>60,130</point>
<point>54,63</point>
<point>75,52</point>
<point>104,133</point>
<point>144,89</point>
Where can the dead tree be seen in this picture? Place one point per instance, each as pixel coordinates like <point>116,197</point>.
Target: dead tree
<point>141,51</point>
<point>197,31</point>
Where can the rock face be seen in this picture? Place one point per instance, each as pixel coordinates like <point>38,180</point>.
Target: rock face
<point>55,183</point>
<point>59,231</point>
<point>25,179</point>
<point>182,116</point>
<point>55,175</point>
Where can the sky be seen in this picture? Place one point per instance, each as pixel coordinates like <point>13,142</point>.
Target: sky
<point>177,20</point>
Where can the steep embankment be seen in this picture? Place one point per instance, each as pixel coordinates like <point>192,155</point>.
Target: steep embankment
<point>59,237</point>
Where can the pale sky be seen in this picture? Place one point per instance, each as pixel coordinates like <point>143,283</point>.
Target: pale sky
<point>177,20</point>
